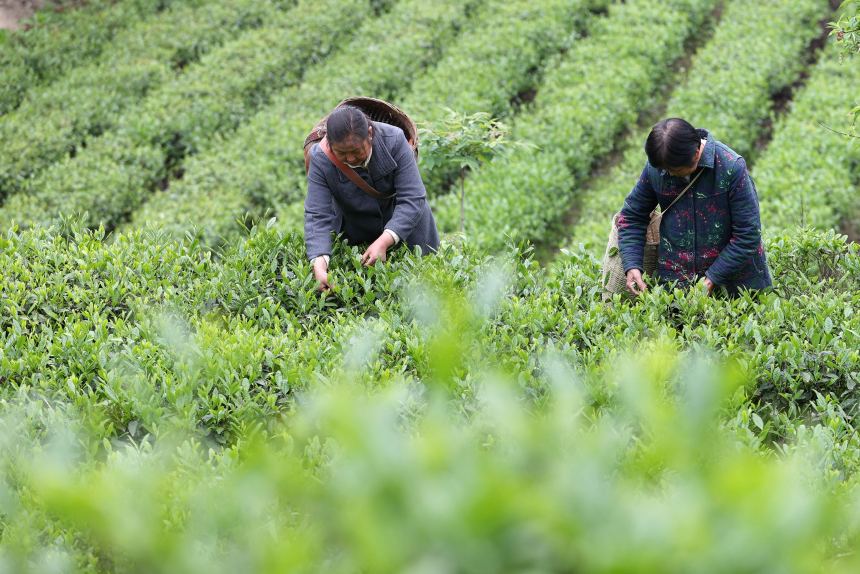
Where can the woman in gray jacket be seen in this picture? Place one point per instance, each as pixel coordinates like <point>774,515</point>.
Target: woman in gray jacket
<point>380,155</point>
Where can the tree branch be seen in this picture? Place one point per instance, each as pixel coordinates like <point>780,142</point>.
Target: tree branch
<point>825,126</point>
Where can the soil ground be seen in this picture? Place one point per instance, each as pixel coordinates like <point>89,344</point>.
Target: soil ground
<point>12,11</point>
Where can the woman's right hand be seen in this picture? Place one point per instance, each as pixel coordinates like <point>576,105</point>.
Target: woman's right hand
<point>635,284</point>
<point>321,273</point>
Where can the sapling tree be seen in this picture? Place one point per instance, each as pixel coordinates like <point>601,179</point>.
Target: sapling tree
<point>847,28</point>
<point>847,32</point>
<point>461,143</point>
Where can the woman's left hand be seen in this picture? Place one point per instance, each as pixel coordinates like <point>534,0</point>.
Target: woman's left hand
<point>377,250</point>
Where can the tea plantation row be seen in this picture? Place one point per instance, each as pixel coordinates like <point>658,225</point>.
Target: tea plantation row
<point>586,99</point>
<point>775,34</point>
<point>116,172</point>
<point>64,118</point>
<point>757,51</point>
<point>809,174</point>
<point>267,181</point>
<point>173,131</point>
<point>55,42</point>
<point>262,168</point>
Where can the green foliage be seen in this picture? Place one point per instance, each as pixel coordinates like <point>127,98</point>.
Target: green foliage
<point>166,412</point>
<point>117,172</point>
<point>756,51</point>
<point>464,142</point>
<point>54,42</point>
<point>80,316</point>
<point>846,28</point>
<point>345,487</point>
<point>808,175</point>
<point>63,119</point>
<point>259,165</point>
<point>498,67</point>
<point>262,167</point>
<point>588,96</point>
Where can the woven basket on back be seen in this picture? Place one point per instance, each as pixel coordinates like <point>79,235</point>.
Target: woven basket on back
<point>378,111</point>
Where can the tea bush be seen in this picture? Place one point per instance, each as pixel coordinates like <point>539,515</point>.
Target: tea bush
<point>262,167</point>
<point>53,43</point>
<point>588,96</point>
<point>496,69</point>
<point>80,313</point>
<point>757,51</point>
<point>809,174</point>
<point>63,119</point>
<point>118,171</point>
<point>166,411</point>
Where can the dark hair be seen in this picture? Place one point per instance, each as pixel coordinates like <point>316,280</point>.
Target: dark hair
<point>672,143</point>
<point>346,122</point>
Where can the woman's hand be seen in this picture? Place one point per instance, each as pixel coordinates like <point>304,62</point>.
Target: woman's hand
<point>707,285</point>
<point>321,273</point>
<point>377,250</point>
<point>635,284</point>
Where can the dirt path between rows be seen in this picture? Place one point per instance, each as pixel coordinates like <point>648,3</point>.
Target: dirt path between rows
<point>13,11</point>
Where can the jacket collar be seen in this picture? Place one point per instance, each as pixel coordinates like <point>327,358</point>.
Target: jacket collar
<point>707,159</point>
<point>381,163</point>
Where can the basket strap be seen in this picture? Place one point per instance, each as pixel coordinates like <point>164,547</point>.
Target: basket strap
<point>350,173</point>
<point>680,195</point>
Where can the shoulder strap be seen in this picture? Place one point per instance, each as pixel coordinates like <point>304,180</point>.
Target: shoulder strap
<point>350,173</point>
<point>680,195</point>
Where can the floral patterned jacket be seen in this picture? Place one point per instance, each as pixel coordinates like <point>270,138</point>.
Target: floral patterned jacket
<point>714,230</point>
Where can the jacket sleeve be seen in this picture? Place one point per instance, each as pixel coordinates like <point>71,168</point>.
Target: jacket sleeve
<point>746,226</point>
<point>322,215</point>
<point>411,196</point>
<point>633,221</point>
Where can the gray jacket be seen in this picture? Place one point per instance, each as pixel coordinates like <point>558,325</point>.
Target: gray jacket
<point>336,205</point>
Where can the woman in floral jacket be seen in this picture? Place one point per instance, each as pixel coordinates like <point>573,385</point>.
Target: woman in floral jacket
<point>712,235</point>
